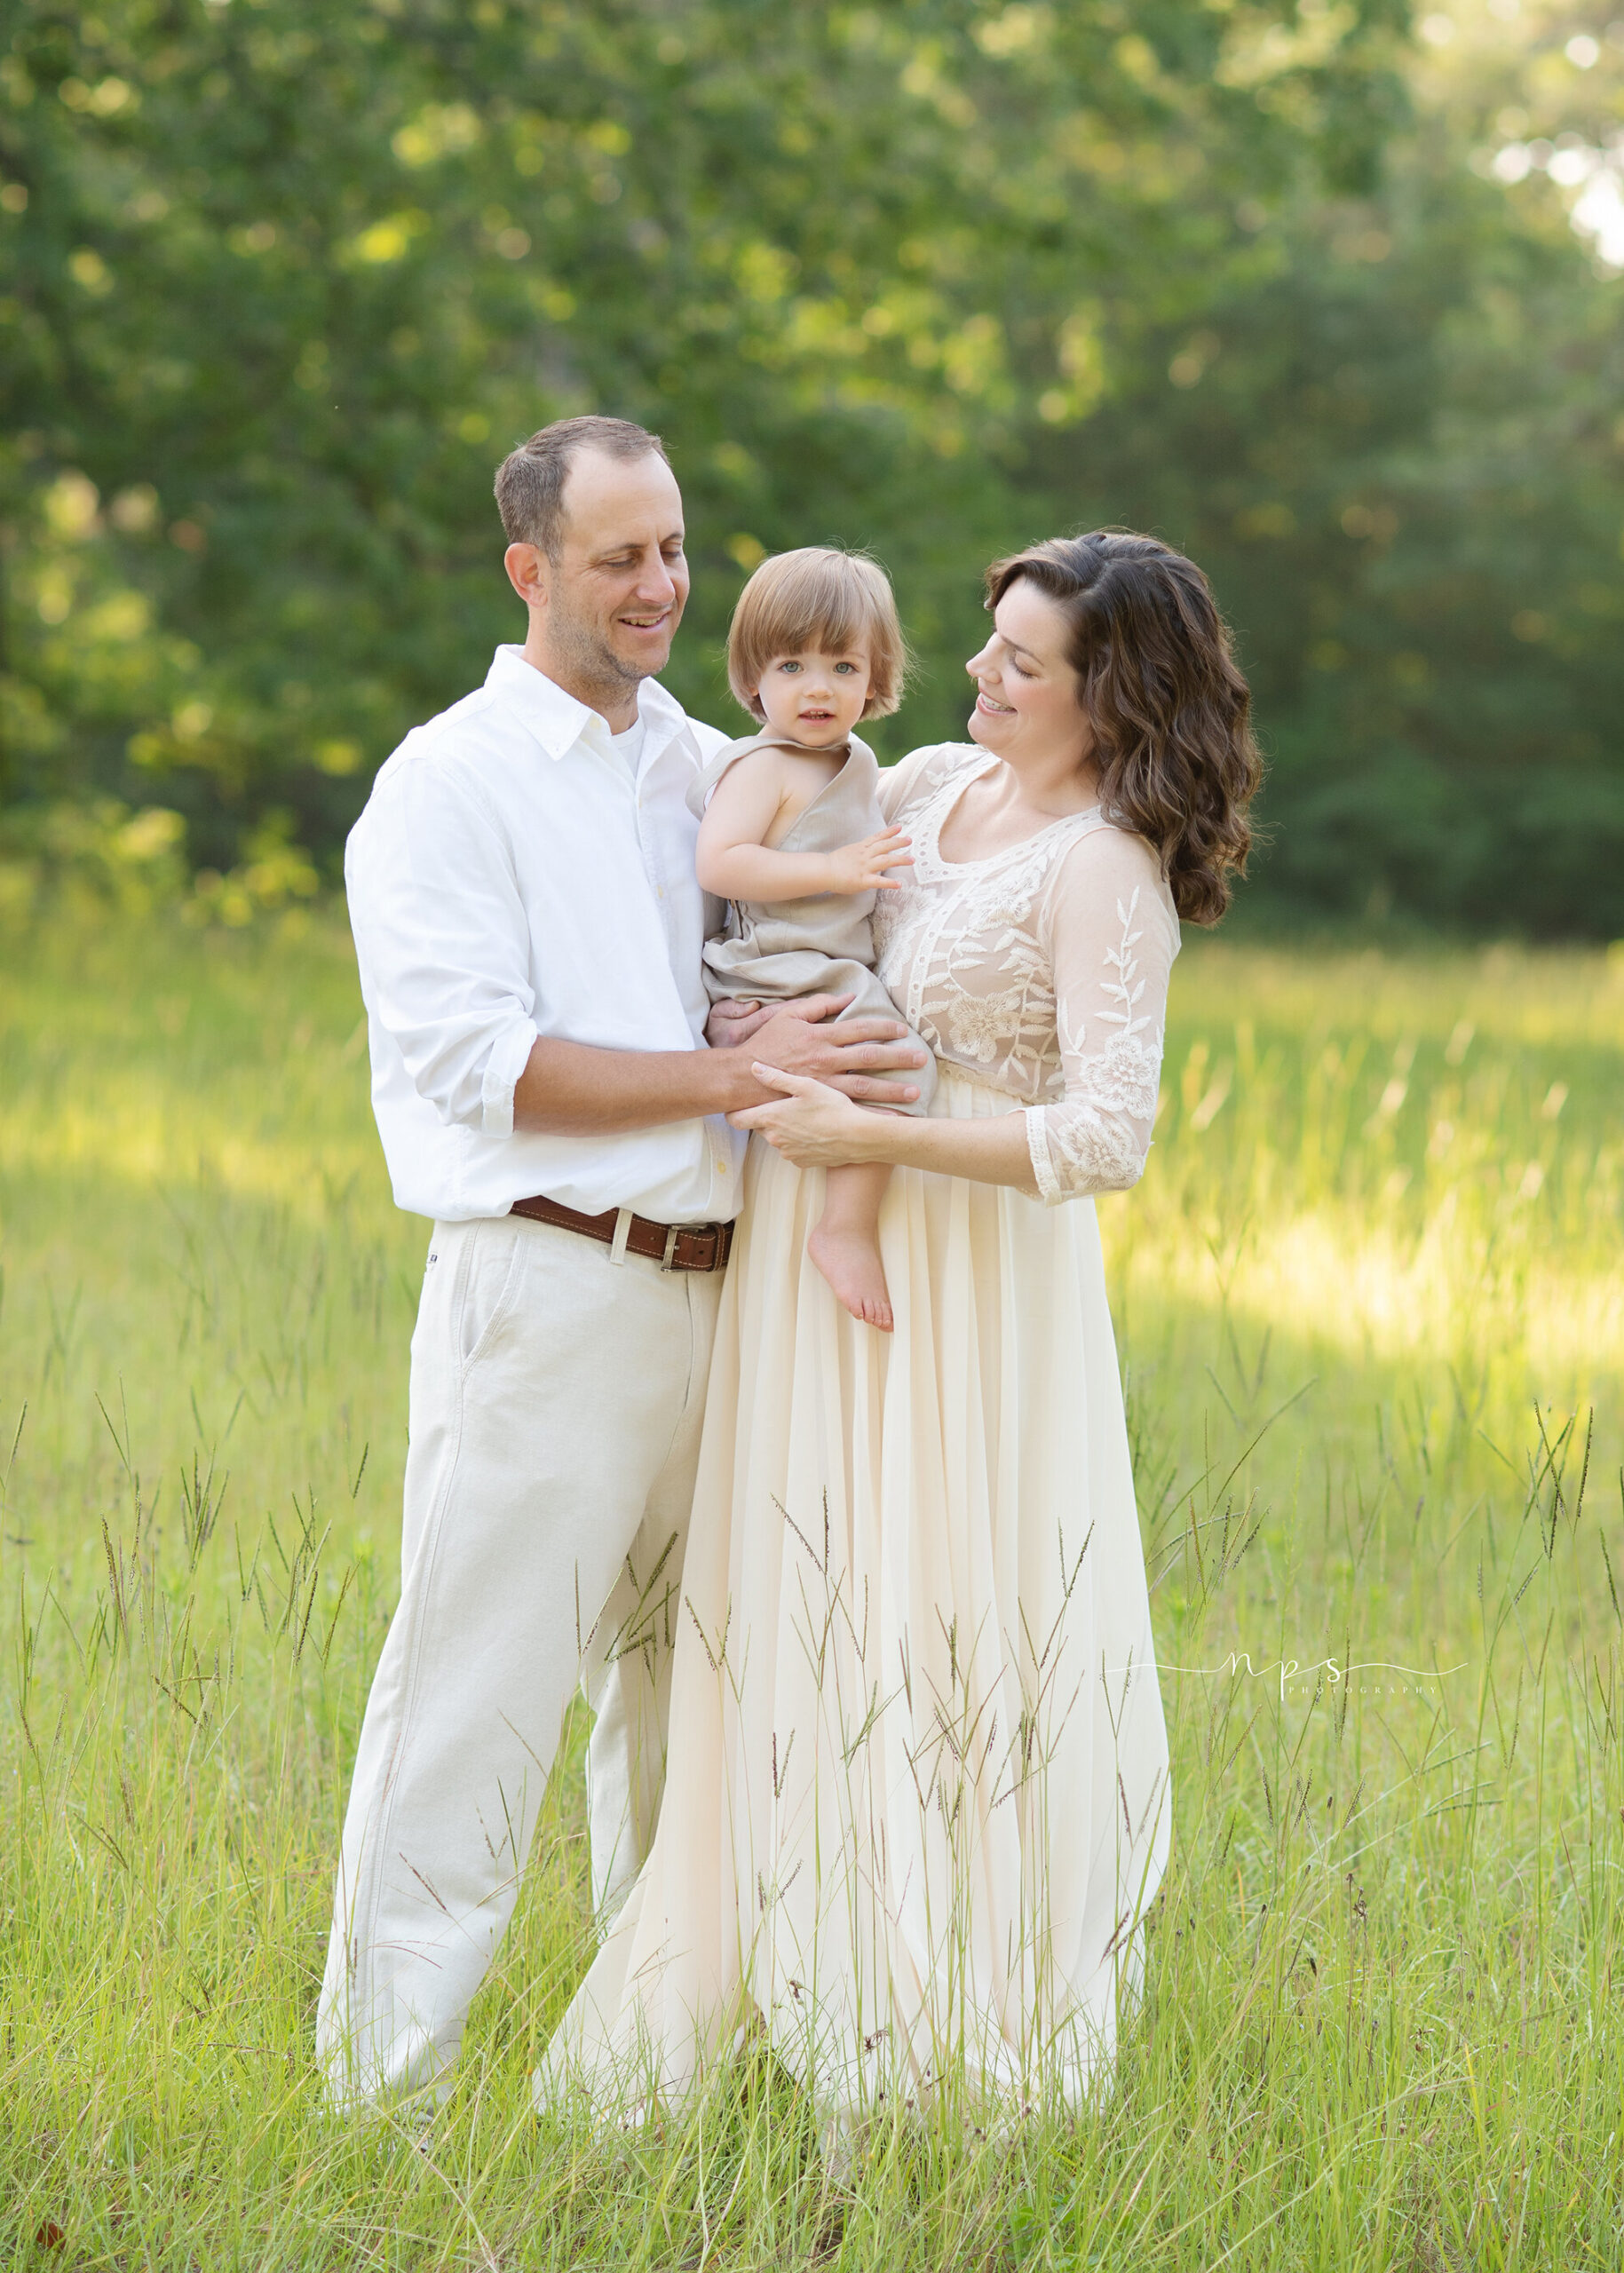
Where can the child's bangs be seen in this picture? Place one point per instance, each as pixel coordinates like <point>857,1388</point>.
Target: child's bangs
<point>820,601</point>
<point>818,608</point>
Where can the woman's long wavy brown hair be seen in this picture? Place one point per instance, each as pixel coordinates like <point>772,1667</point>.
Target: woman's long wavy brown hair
<point>1170,712</point>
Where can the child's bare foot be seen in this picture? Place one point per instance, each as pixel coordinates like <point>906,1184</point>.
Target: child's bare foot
<point>851,1263</point>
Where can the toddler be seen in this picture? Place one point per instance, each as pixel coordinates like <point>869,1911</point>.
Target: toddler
<point>791,836</point>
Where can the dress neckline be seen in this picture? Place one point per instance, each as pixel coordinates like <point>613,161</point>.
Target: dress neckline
<point>936,819</point>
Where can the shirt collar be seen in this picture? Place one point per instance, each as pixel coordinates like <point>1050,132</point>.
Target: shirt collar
<point>558,721</point>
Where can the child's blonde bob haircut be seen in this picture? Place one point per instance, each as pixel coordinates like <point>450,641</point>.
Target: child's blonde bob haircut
<point>820,599</point>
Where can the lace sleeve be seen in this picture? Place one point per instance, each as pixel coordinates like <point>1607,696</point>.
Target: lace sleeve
<point>1113,936</point>
<point>913,776</point>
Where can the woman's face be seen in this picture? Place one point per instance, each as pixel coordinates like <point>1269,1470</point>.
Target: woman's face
<point>1026,705</point>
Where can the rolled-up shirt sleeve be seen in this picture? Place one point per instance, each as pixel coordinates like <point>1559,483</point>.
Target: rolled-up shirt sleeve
<point>443,944</point>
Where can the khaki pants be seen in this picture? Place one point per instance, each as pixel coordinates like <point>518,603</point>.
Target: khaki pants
<point>556,1400</point>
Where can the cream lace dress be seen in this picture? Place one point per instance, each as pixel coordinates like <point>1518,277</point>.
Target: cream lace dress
<point>917,1790</point>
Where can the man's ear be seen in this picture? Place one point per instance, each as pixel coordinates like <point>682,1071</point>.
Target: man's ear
<point>528,566</point>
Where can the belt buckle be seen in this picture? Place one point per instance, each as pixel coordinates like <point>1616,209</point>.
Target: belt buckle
<point>672,1232</point>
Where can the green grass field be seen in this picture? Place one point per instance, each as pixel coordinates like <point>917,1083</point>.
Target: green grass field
<point>1372,1314</point>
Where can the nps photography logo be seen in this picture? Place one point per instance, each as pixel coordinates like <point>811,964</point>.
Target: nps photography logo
<point>1298,1679</point>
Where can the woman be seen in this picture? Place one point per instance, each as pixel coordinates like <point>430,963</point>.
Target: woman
<point>917,1793</point>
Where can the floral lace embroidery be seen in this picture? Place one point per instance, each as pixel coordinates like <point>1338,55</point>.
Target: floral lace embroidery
<point>1097,1139</point>
<point>963,949</point>
<point>957,945</point>
<point>977,1023</point>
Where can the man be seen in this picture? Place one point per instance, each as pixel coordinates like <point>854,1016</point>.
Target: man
<point>528,929</point>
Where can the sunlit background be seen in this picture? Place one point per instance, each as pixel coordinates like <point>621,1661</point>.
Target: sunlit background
<point>1328,297</point>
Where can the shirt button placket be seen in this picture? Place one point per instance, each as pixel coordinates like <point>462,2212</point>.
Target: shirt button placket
<point>651,860</point>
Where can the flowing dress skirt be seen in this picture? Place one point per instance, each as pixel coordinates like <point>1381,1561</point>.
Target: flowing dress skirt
<point>917,1791</point>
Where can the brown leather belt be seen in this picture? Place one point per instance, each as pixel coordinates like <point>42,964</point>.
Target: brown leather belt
<point>674,1247</point>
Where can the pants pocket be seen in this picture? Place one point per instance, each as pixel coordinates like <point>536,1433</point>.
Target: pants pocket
<point>496,1268</point>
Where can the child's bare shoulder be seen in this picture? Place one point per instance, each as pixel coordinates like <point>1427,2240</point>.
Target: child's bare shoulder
<point>767,761</point>
<point>775,765</point>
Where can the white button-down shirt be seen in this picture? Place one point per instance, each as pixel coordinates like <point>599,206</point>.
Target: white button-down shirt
<point>509,879</point>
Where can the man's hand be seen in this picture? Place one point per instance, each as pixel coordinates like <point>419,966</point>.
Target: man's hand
<point>797,1038</point>
<point>730,1023</point>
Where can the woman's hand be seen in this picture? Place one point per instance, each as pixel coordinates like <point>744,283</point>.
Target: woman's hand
<point>815,1127</point>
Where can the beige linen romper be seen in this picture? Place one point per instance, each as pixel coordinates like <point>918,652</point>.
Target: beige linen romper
<point>777,951</point>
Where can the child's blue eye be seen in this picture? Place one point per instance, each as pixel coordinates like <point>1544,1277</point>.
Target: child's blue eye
<point>789,666</point>
<point>845,667</point>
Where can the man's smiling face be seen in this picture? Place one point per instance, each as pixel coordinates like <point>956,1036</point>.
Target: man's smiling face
<point>615,593</point>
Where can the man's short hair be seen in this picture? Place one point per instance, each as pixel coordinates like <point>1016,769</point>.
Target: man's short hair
<point>530,479</point>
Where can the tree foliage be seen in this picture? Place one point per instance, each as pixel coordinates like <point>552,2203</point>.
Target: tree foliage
<point>282,282</point>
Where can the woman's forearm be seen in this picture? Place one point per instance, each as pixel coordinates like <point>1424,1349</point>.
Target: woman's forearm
<point>816,1127</point>
<point>994,1151</point>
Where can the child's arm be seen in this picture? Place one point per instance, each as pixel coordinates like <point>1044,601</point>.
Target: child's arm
<point>733,862</point>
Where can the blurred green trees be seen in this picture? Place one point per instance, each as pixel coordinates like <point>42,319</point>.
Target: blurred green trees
<point>279,283</point>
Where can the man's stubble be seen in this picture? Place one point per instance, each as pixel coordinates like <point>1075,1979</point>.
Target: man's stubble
<point>585,660</point>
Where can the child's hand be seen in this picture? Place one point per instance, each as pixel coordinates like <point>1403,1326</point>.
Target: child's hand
<point>861,867</point>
